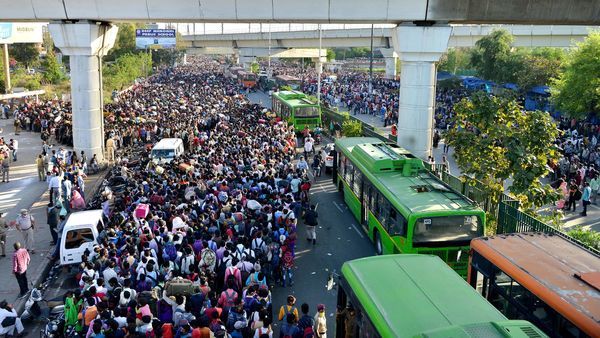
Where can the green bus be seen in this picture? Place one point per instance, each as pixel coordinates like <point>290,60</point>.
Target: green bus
<point>417,296</point>
<point>403,207</point>
<point>295,108</point>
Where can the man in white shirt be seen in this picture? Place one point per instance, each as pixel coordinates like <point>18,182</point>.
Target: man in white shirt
<point>14,144</point>
<point>25,224</point>
<point>54,186</point>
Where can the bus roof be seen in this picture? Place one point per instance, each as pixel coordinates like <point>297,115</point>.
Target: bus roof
<point>287,78</point>
<point>561,273</point>
<point>414,295</point>
<point>294,98</point>
<point>401,178</point>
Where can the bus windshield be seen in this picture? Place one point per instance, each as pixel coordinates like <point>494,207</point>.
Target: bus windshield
<point>163,153</point>
<point>445,229</point>
<point>306,112</point>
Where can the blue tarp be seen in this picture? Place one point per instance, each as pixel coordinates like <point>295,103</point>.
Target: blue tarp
<point>540,90</point>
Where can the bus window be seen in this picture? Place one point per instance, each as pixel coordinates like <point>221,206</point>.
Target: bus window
<point>357,183</point>
<point>349,173</point>
<point>445,229</point>
<point>306,112</point>
<point>373,204</point>
<point>384,207</point>
<point>397,226</point>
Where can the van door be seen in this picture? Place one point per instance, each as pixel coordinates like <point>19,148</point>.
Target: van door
<point>75,242</point>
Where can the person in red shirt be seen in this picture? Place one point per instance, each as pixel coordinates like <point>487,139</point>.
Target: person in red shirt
<point>21,261</point>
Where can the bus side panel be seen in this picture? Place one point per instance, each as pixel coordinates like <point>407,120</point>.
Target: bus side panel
<point>388,243</point>
<point>351,201</point>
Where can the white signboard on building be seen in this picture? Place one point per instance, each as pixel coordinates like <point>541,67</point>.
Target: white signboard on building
<point>20,32</point>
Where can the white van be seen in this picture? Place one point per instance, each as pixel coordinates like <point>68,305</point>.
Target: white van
<point>167,149</point>
<point>79,233</point>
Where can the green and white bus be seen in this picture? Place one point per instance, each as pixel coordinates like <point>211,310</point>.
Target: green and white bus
<point>403,207</point>
<point>295,108</point>
<point>417,296</point>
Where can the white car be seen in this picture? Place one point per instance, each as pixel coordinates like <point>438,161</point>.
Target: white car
<point>327,155</point>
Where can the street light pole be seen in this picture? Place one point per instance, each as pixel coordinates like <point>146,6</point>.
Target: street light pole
<point>319,68</point>
<point>6,67</point>
<point>371,65</point>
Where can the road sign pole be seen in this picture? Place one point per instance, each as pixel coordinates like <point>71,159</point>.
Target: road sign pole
<point>6,67</point>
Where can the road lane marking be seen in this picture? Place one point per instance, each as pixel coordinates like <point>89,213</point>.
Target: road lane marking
<point>357,231</point>
<point>337,206</point>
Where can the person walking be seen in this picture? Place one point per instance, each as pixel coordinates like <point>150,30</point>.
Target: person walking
<point>311,222</point>
<point>595,186</point>
<point>21,261</point>
<point>41,167</point>
<point>5,168</point>
<point>320,322</point>
<point>26,224</point>
<point>585,197</point>
<point>53,216</point>
<point>3,229</point>
<point>14,146</point>
<point>54,187</point>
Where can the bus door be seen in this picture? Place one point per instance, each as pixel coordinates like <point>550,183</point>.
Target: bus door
<point>365,202</point>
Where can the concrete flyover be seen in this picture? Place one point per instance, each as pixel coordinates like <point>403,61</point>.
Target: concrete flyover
<point>565,12</point>
<point>462,36</point>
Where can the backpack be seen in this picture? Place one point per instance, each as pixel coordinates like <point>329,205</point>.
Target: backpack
<point>229,298</point>
<point>185,315</point>
<point>170,251</point>
<point>308,332</point>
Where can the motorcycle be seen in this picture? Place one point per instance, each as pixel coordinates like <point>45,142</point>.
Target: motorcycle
<point>54,328</point>
<point>32,308</point>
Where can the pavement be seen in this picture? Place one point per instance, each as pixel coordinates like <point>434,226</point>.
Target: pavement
<point>25,191</point>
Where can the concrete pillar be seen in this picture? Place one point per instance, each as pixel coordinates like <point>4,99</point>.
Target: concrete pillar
<point>246,61</point>
<point>236,59</point>
<point>419,49</point>
<point>86,43</point>
<point>6,67</point>
<point>390,57</point>
<point>184,59</point>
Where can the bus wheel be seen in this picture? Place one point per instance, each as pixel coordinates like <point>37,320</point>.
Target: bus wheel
<point>378,245</point>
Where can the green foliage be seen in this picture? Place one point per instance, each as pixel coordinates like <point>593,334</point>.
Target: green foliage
<point>20,78</point>
<point>492,57</point>
<point>350,53</point>
<point>25,53</point>
<point>125,70</point>
<point>255,67</point>
<point>53,73</point>
<point>2,87</point>
<point>124,43</point>
<point>576,91</point>
<point>494,141</point>
<point>351,128</point>
<point>586,236</point>
<point>455,61</point>
<point>48,42</point>
<point>538,67</point>
<point>330,54</point>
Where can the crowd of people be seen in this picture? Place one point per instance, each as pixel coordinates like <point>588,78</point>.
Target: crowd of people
<point>221,222</point>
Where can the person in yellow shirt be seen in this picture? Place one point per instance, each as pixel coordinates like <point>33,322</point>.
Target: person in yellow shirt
<point>288,308</point>
<point>41,167</point>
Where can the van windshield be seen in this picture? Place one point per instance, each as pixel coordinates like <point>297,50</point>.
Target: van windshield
<point>163,153</point>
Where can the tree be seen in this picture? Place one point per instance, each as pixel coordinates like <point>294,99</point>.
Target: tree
<point>2,86</point>
<point>492,57</point>
<point>125,41</point>
<point>25,53</point>
<point>330,54</point>
<point>53,73</point>
<point>494,140</point>
<point>125,70</point>
<point>540,66</point>
<point>455,61</point>
<point>576,91</point>
<point>351,128</point>
<point>255,67</point>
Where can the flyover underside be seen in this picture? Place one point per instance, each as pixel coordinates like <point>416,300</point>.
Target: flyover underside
<point>378,42</point>
<point>562,12</point>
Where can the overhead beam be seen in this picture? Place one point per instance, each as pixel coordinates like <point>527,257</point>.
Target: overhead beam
<point>560,12</point>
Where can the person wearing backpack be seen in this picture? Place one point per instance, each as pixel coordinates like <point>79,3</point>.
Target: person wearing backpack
<point>290,329</point>
<point>228,297</point>
<point>289,308</point>
<point>306,322</point>
<point>287,264</point>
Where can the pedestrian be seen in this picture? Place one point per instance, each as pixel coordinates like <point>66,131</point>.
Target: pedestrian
<point>14,146</point>
<point>595,186</point>
<point>54,188</point>
<point>5,168</point>
<point>53,216</point>
<point>110,149</point>
<point>347,316</point>
<point>3,229</point>
<point>289,308</point>
<point>320,322</point>
<point>289,328</point>
<point>17,125</point>
<point>20,263</point>
<point>306,322</point>
<point>311,222</point>
<point>585,197</point>
<point>26,224</point>
<point>10,320</point>
<point>41,167</point>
